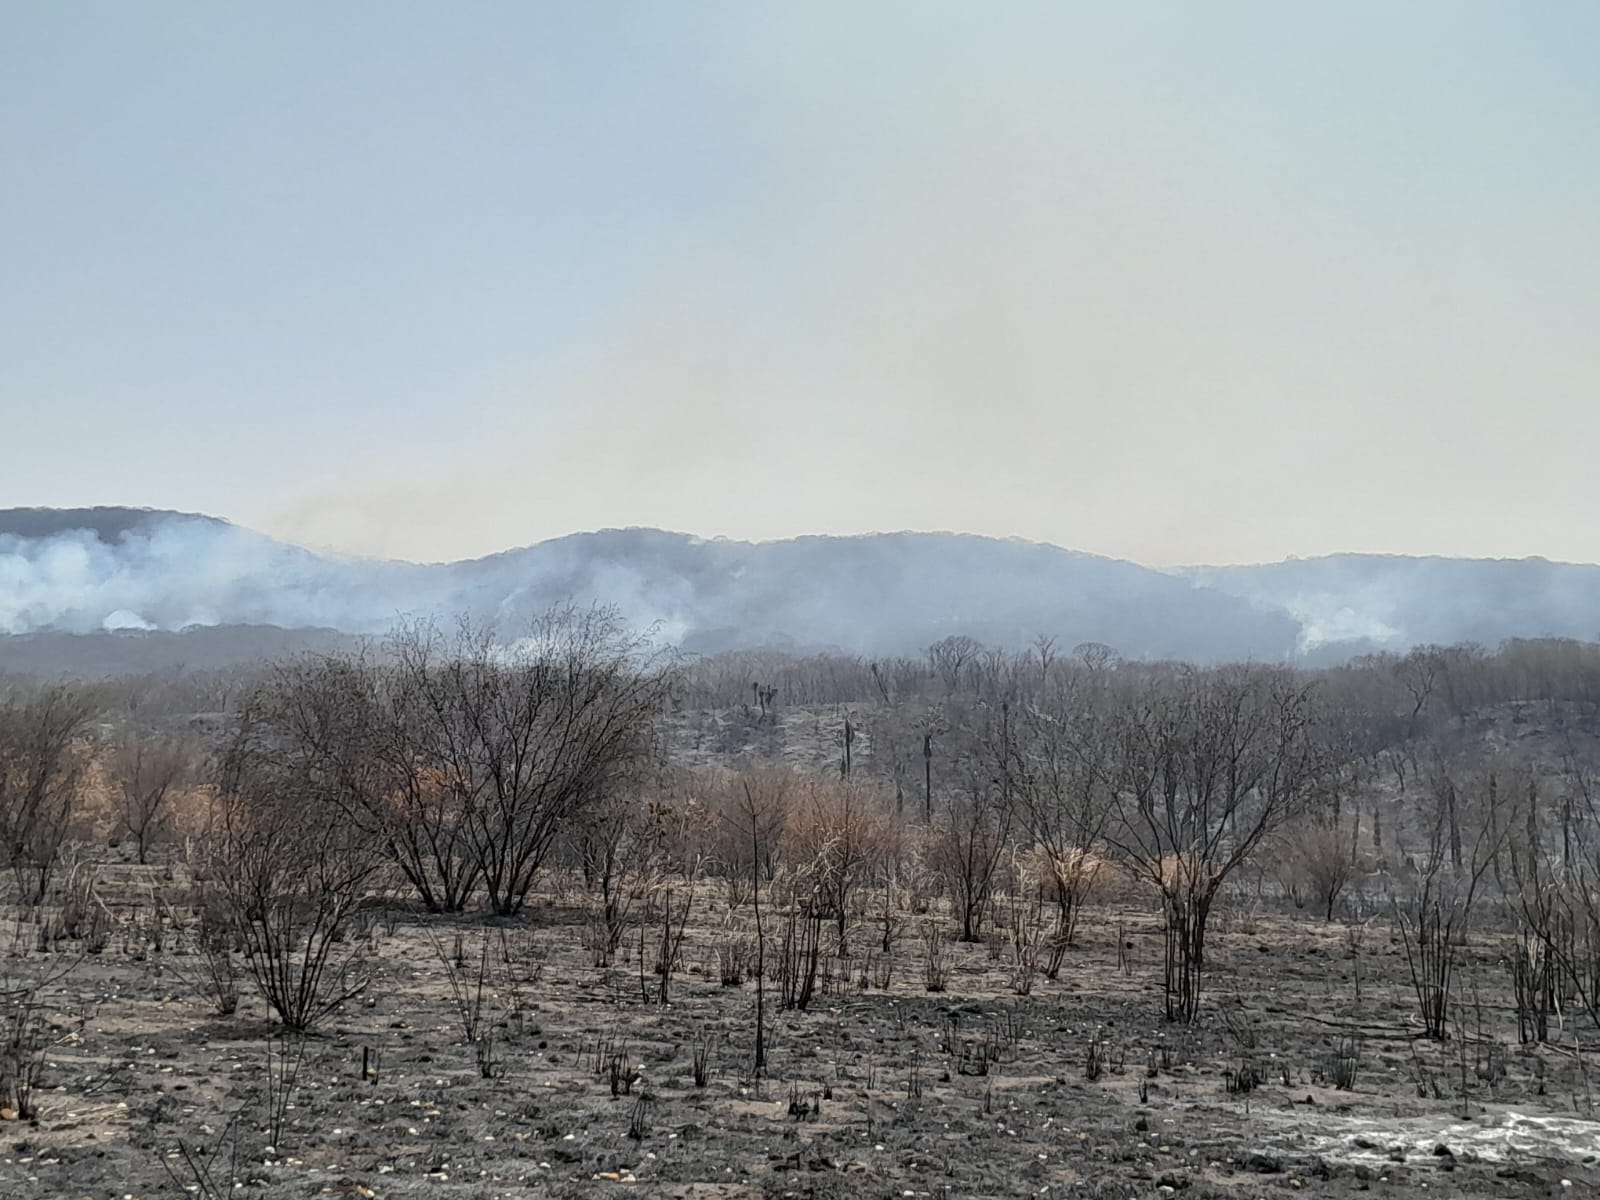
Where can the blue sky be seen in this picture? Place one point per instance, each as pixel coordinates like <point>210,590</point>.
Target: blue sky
<point>1174,282</point>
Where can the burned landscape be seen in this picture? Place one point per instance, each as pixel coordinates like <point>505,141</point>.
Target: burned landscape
<point>894,601</point>
<point>462,914</point>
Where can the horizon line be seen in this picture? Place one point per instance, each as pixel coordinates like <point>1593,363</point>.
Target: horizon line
<point>327,550</point>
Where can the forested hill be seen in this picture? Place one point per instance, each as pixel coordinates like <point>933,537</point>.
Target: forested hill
<point>130,571</point>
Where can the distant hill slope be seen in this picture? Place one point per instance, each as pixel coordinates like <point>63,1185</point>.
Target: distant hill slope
<point>105,523</point>
<point>96,570</point>
<point>1349,603</point>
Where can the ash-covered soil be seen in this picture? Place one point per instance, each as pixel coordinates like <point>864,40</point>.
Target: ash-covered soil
<point>870,1092</point>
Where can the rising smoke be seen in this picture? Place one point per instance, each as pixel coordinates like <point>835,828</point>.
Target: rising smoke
<point>872,594</point>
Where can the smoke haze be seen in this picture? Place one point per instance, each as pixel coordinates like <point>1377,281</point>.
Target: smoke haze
<point>125,571</point>
<point>1154,281</point>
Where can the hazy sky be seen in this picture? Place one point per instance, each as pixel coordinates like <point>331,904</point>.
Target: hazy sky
<point>1188,282</point>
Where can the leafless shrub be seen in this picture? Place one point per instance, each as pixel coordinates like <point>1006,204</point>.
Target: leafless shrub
<point>1557,955</point>
<point>735,953</point>
<point>967,848</point>
<point>1026,939</point>
<point>199,1163</point>
<point>1314,861</point>
<point>973,1055</point>
<point>1243,1078</point>
<point>619,1073</point>
<point>291,872</point>
<point>79,900</point>
<point>835,839</point>
<point>465,758</point>
<point>639,1121</point>
<point>24,1031</point>
<point>42,760</point>
<point>1053,756</point>
<point>1203,766</point>
<point>619,841</point>
<point>916,883</point>
<point>469,980</point>
<point>1533,985</point>
<point>1434,914</point>
<point>748,854</point>
<point>1344,1064</point>
<point>684,830</point>
<point>216,980</point>
<point>877,970</point>
<point>537,730</point>
<point>21,1057</point>
<point>1094,1062</point>
<point>147,769</point>
<point>701,1059</point>
<point>799,952</point>
<point>483,1056</point>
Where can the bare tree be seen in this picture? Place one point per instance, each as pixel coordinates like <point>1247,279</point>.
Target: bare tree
<point>751,808</point>
<point>949,657</point>
<point>1434,915</point>
<point>1045,649</point>
<point>620,841</point>
<point>1418,672</point>
<point>533,731</point>
<point>1053,760</point>
<point>41,769</point>
<point>427,810</point>
<point>1558,895</point>
<point>1096,657</point>
<point>967,847</point>
<point>147,769</point>
<point>291,869</point>
<point>1202,766</point>
<point>365,732</point>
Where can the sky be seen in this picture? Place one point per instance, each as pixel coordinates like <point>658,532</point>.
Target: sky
<point>1171,282</point>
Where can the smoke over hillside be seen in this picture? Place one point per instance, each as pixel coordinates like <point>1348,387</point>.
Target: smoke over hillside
<point>1394,601</point>
<point>98,570</point>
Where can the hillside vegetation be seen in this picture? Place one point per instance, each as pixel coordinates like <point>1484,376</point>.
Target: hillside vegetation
<point>129,571</point>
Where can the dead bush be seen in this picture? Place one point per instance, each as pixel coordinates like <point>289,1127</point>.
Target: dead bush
<point>291,873</point>
<point>43,760</point>
<point>835,839</point>
<point>1314,861</point>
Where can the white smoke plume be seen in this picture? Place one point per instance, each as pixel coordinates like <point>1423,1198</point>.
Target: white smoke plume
<point>874,594</point>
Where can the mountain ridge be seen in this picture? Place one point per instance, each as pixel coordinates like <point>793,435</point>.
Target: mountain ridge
<point>76,571</point>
